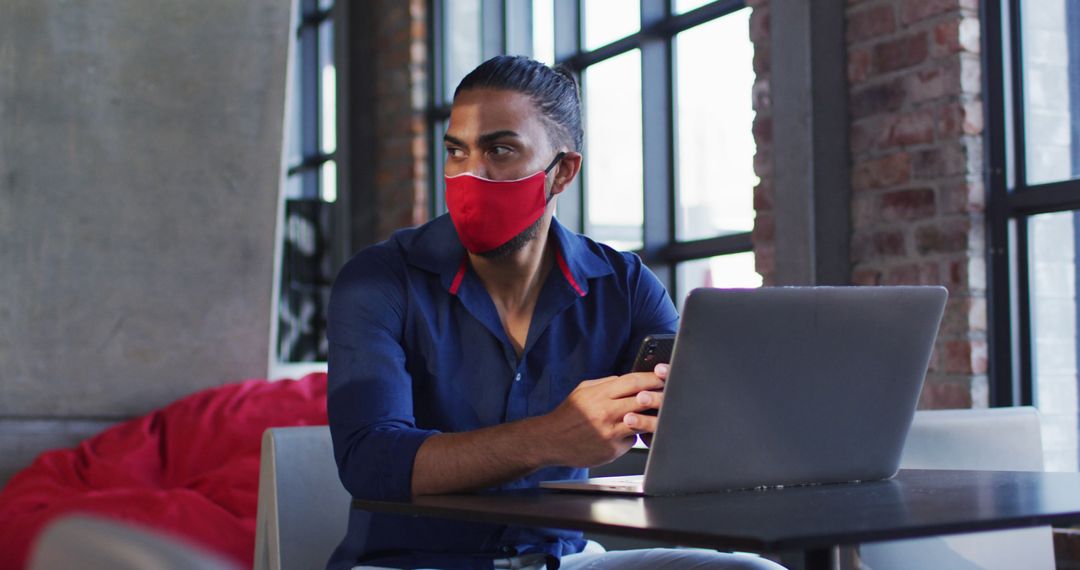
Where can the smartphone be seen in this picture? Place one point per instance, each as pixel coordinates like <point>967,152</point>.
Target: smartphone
<point>655,349</point>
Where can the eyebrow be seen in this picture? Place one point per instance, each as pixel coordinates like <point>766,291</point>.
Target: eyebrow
<point>486,138</point>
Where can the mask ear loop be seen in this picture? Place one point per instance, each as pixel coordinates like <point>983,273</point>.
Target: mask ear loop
<point>558,157</point>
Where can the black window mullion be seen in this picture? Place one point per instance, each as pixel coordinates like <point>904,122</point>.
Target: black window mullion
<point>1024,368</point>
<point>517,21</point>
<point>1045,198</point>
<point>657,141</point>
<point>680,251</point>
<point>311,163</point>
<point>567,43</point>
<point>567,29</point>
<point>492,31</point>
<point>1016,65</point>
<point>581,60</point>
<point>1072,17</point>
<point>437,61</point>
<point>436,91</point>
<point>438,198</point>
<point>656,27</point>
<point>697,16</point>
<point>1003,392</point>
<point>309,94</point>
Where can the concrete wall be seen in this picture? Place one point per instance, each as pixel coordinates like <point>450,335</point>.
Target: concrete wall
<point>139,164</point>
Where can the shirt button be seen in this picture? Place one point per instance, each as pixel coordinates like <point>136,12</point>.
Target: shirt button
<point>517,378</point>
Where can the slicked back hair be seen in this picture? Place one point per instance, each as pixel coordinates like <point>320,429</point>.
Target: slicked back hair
<point>553,90</point>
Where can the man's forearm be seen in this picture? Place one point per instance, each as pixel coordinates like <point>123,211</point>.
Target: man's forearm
<point>586,430</point>
<point>455,462</point>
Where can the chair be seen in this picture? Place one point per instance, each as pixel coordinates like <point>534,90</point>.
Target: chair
<point>92,543</point>
<point>1005,439</point>
<point>303,508</point>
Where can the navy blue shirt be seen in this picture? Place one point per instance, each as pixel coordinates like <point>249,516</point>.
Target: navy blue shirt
<point>417,348</point>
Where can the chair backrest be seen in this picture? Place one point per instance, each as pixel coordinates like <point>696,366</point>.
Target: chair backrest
<point>92,543</point>
<point>1003,439</point>
<point>303,508</point>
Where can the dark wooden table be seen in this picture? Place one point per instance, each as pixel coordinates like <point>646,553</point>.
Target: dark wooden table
<point>803,524</point>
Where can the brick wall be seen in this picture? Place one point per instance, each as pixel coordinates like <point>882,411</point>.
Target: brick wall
<point>916,169</point>
<point>917,195</point>
<point>764,258</point>
<point>401,172</point>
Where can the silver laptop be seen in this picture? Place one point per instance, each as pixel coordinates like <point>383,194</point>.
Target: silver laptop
<point>787,386</point>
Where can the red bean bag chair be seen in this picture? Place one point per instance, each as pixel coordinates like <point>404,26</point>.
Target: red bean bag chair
<point>190,468</point>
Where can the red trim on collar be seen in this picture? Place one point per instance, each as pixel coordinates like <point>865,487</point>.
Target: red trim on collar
<point>566,273</point>
<point>456,284</point>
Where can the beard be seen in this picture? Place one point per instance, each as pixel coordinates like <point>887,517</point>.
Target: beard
<point>516,243</point>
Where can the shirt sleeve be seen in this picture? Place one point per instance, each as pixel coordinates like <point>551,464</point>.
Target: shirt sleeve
<point>369,392</point>
<point>652,311</point>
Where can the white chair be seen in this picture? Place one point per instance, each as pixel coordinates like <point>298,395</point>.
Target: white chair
<point>91,543</point>
<point>1003,439</point>
<point>303,508</point>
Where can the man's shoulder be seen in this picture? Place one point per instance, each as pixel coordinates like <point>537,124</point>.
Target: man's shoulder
<point>599,257</point>
<point>393,253</point>
<point>622,262</point>
<point>383,262</point>
<point>385,255</point>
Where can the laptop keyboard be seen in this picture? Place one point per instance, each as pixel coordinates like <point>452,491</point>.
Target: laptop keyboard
<point>628,482</point>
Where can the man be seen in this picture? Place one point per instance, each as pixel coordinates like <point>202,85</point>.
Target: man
<point>488,349</point>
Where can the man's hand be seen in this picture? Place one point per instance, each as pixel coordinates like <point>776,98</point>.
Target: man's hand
<point>645,424</point>
<point>590,427</point>
<point>649,399</point>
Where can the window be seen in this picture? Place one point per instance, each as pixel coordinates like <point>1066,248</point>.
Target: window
<point>1033,103</point>
<point>303,285</point>
<point>669,147</point>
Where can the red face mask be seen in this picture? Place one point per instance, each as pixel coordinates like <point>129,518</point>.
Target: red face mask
<point>488,213</point>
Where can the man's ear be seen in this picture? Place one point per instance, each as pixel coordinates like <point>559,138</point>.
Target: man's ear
<point>565,172</point>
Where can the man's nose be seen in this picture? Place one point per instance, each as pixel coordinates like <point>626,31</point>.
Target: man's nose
<point>477,165</point>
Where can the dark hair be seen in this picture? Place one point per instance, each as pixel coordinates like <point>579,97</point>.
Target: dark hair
<point>552,89</point>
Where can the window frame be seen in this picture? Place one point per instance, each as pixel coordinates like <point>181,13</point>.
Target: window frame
<point>304,82</point>
<point>312,158</point>
<point>1011,201</point>
<point>655,39</point>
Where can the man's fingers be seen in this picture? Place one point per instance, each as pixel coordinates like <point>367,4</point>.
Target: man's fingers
<point>651,400</point>
<point>632,383</point>
<point>640,423</point>
<point>597,381</point>
<point>622,430</point>
<point>628,404</point>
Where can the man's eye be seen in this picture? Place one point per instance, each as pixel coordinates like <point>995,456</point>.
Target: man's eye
<point>501,150</point>
<point>453,152</point>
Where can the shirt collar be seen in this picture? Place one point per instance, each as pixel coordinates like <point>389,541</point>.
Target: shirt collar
<point>436,248</point>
